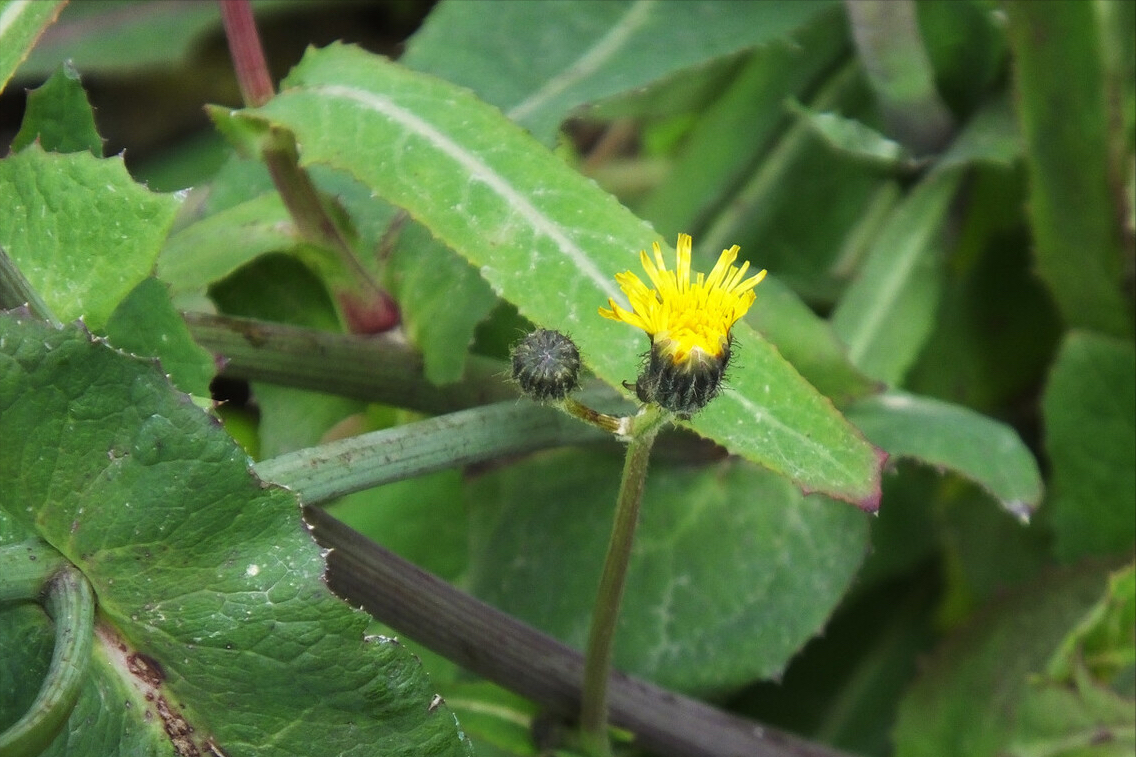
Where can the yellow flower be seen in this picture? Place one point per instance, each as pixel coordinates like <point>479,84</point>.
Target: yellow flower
<point>688,321</point>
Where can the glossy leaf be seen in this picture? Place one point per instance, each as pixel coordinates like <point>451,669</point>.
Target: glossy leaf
<point>566,53</point>
<point>1090,437</point>
<point>80,230</point>
<point>732,571</point>
<point>954,438</point>
<point>213,615</point>
<point>548,241</point>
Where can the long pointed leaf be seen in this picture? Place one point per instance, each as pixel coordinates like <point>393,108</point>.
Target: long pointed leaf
<point>547,239</point>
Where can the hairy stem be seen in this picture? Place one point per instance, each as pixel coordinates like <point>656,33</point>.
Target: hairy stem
<point>320,474</point>
<point>601,636</point>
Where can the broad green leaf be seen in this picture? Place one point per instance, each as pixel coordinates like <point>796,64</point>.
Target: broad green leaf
<point>212,606</point>
<point>79,228</point>
<point>997,328</point>
<point>146,324</point>
<point>1075,173</point>
<point>887,313</point>
<point>21,23</point>
<point>210,249</point>
<point>59,117</point>
<point>717,154</point>
<point>732,571</point>
<point>498,721</point>
<point>566,53</point>
<point>966,701</point>
<point>547,240</point>
<point>954,438</point>
<point>1089,409</point>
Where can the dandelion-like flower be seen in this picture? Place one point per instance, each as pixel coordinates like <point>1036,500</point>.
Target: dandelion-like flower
<point>688,322</point>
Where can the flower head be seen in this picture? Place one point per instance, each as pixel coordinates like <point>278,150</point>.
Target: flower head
<point>688,321</point>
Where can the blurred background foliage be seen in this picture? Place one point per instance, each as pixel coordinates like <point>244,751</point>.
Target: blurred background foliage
<point>945,192</point>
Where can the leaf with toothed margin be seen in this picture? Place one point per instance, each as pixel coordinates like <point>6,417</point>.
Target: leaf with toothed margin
<point>214,625</point>
<point>546,239</point>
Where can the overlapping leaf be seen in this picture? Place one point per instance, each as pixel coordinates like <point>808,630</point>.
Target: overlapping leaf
<point>198,567</point>
<point>546,239</point>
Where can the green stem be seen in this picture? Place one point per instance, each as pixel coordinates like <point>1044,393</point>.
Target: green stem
<point>899,71</point>
<point>29,570</point>
<point>323,473</point>
<point>601,637</point>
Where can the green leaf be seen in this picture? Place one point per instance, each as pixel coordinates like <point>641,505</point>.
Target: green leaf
<point>21,23</point>
<point>955,438</point>
<point>442,300</point>
<point>1076,175</point>
<point>213,614</point>
<point>59,116</point>
<point>146,324</point>
<point>808,342</point>
<point>207,251</point>
<point>1089,409</point>
<point>966,701</point>
<point>113,36</point>
<point>716,155</point>
<point>732,571</point>
<point>854,138</point>
<point>1105,641</point>
<point>79,228</point>
<point>564,54</point>
<point>548,240</point>
<point>422,519</point>
<point>887,313</point>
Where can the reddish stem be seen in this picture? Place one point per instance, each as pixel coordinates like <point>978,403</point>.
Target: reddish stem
<point>248,54</point>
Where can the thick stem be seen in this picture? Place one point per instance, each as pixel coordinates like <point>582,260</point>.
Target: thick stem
<point>71,604</point>
<point>323,473</point>
<point>490,643</point>
<point>601,637</point>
